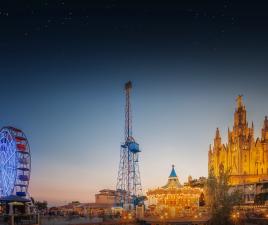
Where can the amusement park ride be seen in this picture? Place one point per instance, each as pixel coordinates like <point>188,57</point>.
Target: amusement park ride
<point>15,163</point>
<point>128,181</point>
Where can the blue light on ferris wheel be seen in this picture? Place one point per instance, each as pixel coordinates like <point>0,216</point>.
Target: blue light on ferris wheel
<point>15,162</point>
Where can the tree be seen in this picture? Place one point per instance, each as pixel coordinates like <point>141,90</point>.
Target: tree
<point>221,201</point>
<point>32,199</point>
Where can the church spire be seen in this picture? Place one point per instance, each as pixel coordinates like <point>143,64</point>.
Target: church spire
<point>239,101</point>
<point>265,124</point>
<point>252,129</point>
<point>217,139</point>
<point>240,116</point>
<point>265,129</point>
<point>217,133</point>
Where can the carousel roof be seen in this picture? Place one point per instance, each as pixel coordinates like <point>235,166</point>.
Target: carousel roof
<point>173,180</point>
<point>173,172</point>
<point>174,187</point>
<point>13,198</point>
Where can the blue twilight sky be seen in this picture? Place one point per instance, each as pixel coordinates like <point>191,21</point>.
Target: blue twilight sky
<point>63,65</point>
<point>75,122</point>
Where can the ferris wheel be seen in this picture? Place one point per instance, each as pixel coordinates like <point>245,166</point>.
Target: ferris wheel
<point>15,162</point>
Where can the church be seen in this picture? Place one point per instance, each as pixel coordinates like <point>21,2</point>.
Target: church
<point>244,156</point>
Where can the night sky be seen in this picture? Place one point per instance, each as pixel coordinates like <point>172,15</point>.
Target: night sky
<point>63,65</point>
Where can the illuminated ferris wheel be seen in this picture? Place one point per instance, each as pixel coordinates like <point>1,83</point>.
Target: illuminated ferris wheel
<point>15,162</point>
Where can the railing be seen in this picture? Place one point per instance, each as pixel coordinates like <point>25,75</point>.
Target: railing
<point>32,219</point>
<point>5,220</point>
<point>26,219</point>
<point>256,221</point>
<point>68,220</point>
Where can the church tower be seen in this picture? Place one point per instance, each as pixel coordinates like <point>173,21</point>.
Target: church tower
<point>241,140</point>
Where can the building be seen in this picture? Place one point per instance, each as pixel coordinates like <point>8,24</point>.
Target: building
<point>200,182</point>
<point>253,193</point>
<point>245,157</point>
<point>107,196</point>
<point>105,204</point>
<point>174,199</point>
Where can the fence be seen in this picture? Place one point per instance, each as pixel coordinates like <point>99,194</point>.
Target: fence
<point>4,220</point>
<point>68,220</point>
<point>31,219</point>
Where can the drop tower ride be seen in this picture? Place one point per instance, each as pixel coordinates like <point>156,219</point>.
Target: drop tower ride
<point>128,181</point>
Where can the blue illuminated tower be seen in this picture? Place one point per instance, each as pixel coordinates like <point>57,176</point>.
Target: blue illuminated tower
<point>128,181</point>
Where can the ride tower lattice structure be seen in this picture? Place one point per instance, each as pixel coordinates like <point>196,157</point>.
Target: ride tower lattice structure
<point>128,181</point>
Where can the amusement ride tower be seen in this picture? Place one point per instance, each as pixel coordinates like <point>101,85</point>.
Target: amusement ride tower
<point>128,181</point>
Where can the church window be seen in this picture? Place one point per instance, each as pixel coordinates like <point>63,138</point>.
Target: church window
<point>221,168</point>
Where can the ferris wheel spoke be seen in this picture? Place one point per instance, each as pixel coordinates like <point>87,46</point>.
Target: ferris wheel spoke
<point>8,178</point>
<point>10,174</point>
<point>5,184</point>
<point>10,167</point>
<point>2,155</point>
<point>9,158</point>
<point>1,181</point>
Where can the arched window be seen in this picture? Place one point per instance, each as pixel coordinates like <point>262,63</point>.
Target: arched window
<point>221,168</point>
<point>202,199</point>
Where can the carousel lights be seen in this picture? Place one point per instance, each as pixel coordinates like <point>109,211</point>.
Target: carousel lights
<point>175,198</point>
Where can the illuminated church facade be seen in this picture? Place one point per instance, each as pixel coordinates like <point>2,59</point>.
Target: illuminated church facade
<point>245,157</point>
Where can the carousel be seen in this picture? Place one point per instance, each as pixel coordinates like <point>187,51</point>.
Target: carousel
<point>174,199</point>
